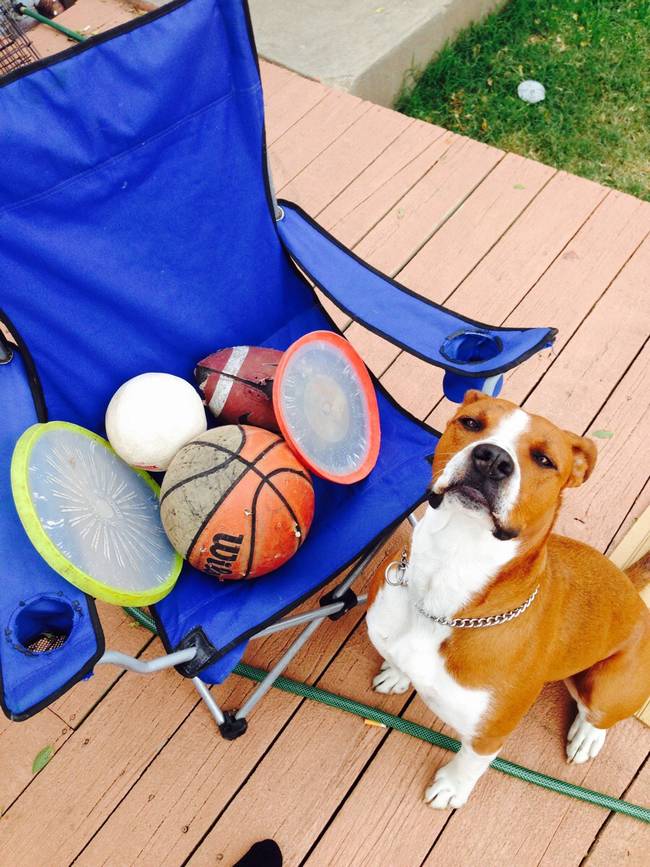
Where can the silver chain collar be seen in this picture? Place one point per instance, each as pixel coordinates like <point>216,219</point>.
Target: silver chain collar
<point>457,622</point>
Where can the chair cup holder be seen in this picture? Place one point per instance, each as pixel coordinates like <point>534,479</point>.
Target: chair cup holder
<point>470,347</point>
<point>42,624</point>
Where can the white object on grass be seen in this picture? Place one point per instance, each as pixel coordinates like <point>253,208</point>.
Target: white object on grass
<point>151,417</point>
<point>531,91</point>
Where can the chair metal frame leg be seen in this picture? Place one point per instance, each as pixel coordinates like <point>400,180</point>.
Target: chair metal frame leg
<point>141,666</point>
<point>204,691</point>
<point>314,619</point>
<point>233,724</point>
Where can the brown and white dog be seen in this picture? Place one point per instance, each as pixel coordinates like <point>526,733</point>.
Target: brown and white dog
<point>482,547</point>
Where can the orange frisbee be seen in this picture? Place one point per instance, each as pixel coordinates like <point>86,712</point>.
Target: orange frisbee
<point>326,407</point>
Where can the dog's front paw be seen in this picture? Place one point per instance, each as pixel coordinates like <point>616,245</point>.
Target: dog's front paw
<point>584,741</point>
<point>390,680</point>
<point>447,790</point>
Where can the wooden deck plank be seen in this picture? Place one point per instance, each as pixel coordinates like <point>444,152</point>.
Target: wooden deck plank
<point>375,190</point>
<point>371,196</point>
<point>600,351</point>
<point>19,745</point>
<point>310,768</point>
<point>317,129</point>
<point>95,768</point>
<point>573,838</point>
<point>471,231</point>
<point>285,106</point>
<point>337,173</point>
<point>641,505</point>
<point>525,252</point>
<point>345,159</point>
<point>444,192</point>
<point>588,265</point>
<point>507,273</point>
<point>623,840</point>
<point>585,264</point>
<point>397,828</point>
<point>420,213</point>
<point>466,238</point>
<point>122,633</point>
<point>197,772</point>
<point>389,181</point>
<point>273,77</point>
<point>89,18</point>
<point>594,511</point>
<point>377,353</point>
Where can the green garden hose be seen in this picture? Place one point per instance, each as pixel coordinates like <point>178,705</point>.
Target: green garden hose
<point>32,13</point>
<point>425,734</point>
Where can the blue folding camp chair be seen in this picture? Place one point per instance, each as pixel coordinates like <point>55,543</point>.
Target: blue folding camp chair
<point>138,232</point>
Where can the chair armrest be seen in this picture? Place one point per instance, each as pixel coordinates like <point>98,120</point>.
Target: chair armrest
<point>467,348</point>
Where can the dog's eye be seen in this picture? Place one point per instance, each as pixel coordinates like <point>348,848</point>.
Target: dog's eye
<point>470,423</point>
<point>543,460</point>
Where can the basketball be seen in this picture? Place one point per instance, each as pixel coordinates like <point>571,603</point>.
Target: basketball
<point>237,385</point>
<point>151,416</point>
<point>236,503</point>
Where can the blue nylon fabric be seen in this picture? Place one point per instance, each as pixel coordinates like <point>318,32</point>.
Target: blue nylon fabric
<point>405,319</point>
<point>34,598</point>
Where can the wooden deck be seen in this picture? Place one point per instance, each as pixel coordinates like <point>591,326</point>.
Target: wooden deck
<point>140,776</point>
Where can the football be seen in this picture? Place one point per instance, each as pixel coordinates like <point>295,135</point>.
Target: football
<point>237,385</point>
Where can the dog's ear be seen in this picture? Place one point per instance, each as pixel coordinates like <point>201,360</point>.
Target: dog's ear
<point>472,395</point>
<point>584,458</point>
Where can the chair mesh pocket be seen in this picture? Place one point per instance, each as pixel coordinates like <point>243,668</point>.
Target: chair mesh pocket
<point>46,641</point>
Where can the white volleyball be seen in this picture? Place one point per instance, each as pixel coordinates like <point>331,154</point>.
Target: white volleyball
<point>151,417</point>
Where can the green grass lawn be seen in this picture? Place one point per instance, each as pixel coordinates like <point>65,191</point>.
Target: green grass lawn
<point>592,56</point>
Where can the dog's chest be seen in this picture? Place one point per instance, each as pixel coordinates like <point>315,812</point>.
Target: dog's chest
<point>443,574</point>
<point>412,644</point>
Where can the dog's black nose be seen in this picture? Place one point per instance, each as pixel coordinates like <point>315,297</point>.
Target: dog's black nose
<point>492,461</point>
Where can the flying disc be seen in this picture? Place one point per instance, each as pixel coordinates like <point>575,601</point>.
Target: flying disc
<point>94,519</point>
<point>326,407</point>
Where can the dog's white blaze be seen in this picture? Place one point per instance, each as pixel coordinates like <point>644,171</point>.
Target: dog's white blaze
<point>506,435</point>
<point>453,556</point>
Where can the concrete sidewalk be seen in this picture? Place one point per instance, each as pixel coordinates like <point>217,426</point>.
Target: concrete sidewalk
<point>366,47</point>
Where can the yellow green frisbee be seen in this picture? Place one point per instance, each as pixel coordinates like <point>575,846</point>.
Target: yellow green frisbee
<point>94,519</point>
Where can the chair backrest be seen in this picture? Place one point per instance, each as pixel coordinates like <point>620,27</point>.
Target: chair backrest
<point>136,227</point>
